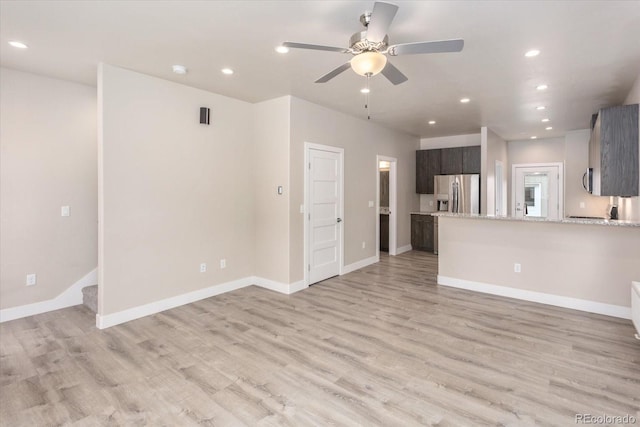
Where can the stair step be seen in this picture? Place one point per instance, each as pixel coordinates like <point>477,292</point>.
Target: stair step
<point>90,297</point>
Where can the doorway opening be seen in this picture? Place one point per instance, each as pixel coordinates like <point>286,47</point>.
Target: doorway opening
<point>324,212</point>
<point>386,205</point>
<point>537,190</point>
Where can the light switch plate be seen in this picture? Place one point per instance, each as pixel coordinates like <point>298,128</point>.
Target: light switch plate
<point>370,203</point>
<point>582,205</point>
<point>203,267</point>
<point>301,208</point>
<point>64,211</point>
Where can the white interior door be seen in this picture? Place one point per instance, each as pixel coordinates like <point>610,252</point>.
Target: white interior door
<point>325,222</point>
<point>537,191</point>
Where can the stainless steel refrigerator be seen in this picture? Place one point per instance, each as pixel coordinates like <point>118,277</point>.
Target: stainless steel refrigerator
<point>456,194</point>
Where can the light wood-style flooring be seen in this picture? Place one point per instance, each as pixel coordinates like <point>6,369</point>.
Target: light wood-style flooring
<point>381,346</point>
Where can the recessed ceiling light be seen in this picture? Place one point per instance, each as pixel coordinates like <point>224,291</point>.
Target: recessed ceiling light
<point>532,53</point>
<point>534,137</point>
<point>365,90</point>
<point>432,122</point>
<point>179,69</point>
<point>548,128</point>
<point>541,107</point>
<point>19,45</point>
<point>545,120</point>
<point>465,100</point>
<point>227,71</point>
<point>282,49</point>
<point>542,87</point>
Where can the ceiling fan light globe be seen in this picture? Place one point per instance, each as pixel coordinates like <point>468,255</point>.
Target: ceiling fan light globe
<point>368,63</point>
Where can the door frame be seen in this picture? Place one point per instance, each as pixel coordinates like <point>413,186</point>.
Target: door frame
<point>393,204</point>
<point>559,165</point>
<point>500,197</point>
<point>308,146</point>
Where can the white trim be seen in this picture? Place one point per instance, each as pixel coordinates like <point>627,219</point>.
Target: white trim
<point>283,288</point>
<point>297,286</point>
<point>106,321</point>
<point>133,313</point>
<point>312,146</point>
<point>403,249</point>
<point>359,264</point>
<point>539,297</point>
<point>635,305</point>
<point>70,297</point>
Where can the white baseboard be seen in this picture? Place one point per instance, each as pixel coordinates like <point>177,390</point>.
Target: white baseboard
<point>539,297</point>
<point>283,288</point>
<point>359,264</point>
<point>72,296</point>
<point>297,286</point>
<point>113,319</point>
<point>403,249</point>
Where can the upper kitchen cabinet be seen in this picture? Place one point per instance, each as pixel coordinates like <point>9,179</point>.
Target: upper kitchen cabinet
<point>451,161</point>
<point>613,152</point>
<point>427,166</point>
<point>471,159</point>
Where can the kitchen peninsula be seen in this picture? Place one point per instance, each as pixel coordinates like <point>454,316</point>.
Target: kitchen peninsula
<point>575,263</point>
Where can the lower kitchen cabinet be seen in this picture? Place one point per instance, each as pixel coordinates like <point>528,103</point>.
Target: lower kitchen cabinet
<point>422,232</point>
<point>384,233</point>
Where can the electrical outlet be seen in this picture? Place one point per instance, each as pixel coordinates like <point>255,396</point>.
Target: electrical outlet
<point>364,244</point>
<point>582,205</point>
<point>31,279</point>
<point>517,268</point>
<point>301,208</point>
<point>203,267</point>
<point>223,263</point>
<point>64,211</point>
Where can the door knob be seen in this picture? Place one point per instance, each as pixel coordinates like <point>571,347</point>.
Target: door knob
<point>339,220</point>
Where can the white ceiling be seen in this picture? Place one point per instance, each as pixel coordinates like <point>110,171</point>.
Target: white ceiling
<point>590,55</point>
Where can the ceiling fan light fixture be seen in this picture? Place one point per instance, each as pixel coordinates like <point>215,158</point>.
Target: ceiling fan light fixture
<point>368,63</point>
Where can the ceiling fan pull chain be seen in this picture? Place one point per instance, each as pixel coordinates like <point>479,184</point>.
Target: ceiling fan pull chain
<point>368,94</point>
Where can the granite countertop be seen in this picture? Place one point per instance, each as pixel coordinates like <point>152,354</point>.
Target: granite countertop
<point>422,213</point>
<point>586,221</point>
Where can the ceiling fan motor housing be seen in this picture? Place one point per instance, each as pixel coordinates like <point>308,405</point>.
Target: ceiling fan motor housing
<point>359,43</point>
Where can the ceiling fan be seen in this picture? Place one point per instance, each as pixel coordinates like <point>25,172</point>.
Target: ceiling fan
<point>371,46</point>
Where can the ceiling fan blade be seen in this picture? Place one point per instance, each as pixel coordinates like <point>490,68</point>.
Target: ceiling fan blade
<point>440,46</point>
<point>381,17</point>
<point>334,73</point>
<point>394,75</point>
<point>314,47</point>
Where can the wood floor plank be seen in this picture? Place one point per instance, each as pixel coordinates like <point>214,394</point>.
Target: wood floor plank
<point>384,345</point>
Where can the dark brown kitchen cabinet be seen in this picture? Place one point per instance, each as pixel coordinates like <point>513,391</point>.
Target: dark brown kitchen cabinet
<point>471,159</point>
<point>427,166</point>
<point>451,161</point>
<point>422,232</point>
<point>384,233</point>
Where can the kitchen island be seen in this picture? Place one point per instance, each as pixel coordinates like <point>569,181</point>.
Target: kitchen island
<point>584,264</point>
